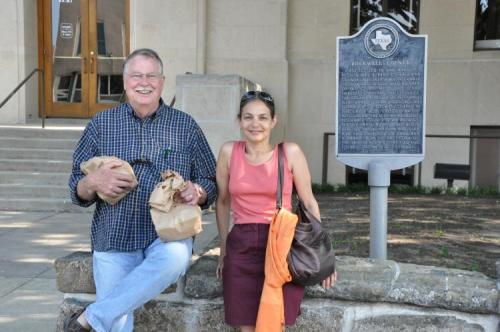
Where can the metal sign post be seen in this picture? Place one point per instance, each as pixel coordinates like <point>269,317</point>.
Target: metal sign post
<point>380,118</point>
<point>379,179</point>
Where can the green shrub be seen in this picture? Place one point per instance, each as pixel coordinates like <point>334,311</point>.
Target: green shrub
<point>409,190</point>
<point>436,190</point>
<point>482,192</point>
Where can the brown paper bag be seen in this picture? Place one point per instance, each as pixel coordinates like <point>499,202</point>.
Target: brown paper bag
<point>182,221</point>
<point>162,197</point>
<point>173,221</point>
<point>94,163</point>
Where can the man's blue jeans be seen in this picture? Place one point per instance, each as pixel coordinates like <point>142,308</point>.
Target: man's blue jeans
<point>126,280</point>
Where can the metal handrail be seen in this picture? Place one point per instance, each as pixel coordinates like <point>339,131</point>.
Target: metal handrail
<point>172,102</point>
<point>24,82</point>
<point>324,170</point>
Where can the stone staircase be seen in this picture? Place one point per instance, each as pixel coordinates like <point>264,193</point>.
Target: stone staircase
<point>35,165</point>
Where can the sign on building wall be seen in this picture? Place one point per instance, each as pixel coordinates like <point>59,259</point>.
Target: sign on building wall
<point>66,30</point>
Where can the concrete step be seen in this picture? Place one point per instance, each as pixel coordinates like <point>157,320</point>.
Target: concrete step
<point>33,132</point>
<point>39,191</point>
<point>27,153</point>
<point>26,178</point>
<point>40,204</point>
<point>33,165</point>
<point>38,143</point>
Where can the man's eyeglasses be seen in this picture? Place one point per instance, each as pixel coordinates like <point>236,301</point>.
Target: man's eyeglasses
<point>257,94</point>
<point>150,77</point>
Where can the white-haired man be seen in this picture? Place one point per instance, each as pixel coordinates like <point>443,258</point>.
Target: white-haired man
<point>131,265</point>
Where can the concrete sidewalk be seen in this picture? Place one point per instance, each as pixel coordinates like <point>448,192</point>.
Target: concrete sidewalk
<point>29,244</point>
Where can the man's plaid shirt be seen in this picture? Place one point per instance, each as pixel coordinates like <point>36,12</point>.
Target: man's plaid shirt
<point>169,139</point>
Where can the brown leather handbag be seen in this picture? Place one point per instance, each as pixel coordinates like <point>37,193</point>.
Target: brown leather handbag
<point>311,258</point>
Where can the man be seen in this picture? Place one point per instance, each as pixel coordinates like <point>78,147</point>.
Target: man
<point>131,264</point>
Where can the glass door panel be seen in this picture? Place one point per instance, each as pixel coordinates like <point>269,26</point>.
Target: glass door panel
<point>68,82</point>
<point>108,51</point>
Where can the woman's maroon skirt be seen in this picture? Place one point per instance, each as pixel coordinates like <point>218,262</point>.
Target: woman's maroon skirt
<point>243,277</point>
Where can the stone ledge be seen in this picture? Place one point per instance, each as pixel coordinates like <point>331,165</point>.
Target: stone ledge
<point>359,279</point>
<point>190,315</point>
<point>369,280</point>
<point>74,274</point>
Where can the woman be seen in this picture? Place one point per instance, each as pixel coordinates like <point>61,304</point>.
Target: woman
<point>247,174</point>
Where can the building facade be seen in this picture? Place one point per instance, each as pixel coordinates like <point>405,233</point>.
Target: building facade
<point>286,46</point>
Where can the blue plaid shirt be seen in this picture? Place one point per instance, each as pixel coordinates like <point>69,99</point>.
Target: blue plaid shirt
<point>168,139</point>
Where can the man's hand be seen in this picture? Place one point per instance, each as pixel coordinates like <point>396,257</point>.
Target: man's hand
<point>106,181</point>
<point>193,194</point>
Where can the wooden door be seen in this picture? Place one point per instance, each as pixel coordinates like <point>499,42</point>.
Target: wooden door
<point>85,43</point>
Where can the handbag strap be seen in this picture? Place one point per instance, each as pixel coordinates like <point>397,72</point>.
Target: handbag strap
<point>279,188</point>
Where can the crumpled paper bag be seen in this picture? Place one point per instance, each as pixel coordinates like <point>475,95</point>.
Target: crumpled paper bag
<point>172,220</point>
<point>95,163</point>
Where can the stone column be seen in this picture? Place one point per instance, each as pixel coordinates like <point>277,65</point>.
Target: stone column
<point>213,101</point>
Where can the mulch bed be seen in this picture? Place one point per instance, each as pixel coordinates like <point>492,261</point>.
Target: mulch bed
<point>442,230</point>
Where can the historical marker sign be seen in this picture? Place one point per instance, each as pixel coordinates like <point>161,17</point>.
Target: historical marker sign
<point>381,75</point>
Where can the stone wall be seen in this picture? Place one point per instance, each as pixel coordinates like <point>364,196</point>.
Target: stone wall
<point>370,295</point>
<point>18,57</point>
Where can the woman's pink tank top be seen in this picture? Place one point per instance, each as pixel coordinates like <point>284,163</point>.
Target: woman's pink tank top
<point>253,187</point>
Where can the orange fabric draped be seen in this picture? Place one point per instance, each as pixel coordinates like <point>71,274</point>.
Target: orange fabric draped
<point>271,315</point>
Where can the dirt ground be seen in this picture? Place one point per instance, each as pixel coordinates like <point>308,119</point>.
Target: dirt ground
<point>442,230</point>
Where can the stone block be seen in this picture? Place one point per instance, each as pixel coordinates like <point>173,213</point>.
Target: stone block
<point>165,316</point>
<point>454,289</point>
<point>363,279</point>
<point>407,323</point>
<point>68,307</point>
<point>497,264</point>
<point>317,315</point>
<point>358,279</point>
<point>201,281</point>
<point>181,316</point>
<point>320,316</point>
<point>74,274</point>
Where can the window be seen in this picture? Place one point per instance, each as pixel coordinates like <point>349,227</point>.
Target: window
<point>485,156</point>
<point>110,88</point>
<point>487,28</point>
<point>101,40</point>
<point>68,88</point>
<point>405,12</point>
